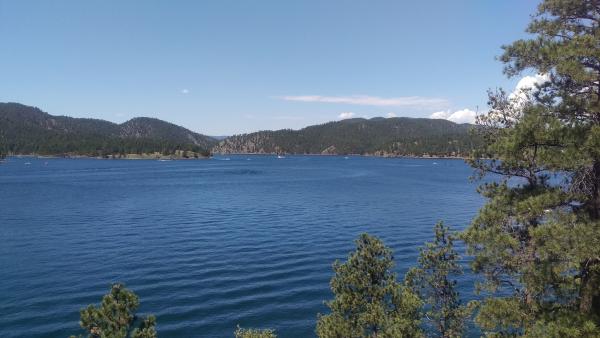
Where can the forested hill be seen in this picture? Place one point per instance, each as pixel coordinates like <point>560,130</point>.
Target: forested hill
<point>28,130</point>
<point>399,136</point>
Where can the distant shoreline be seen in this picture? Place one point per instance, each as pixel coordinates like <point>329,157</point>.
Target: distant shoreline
<point>356,155</point>
<point>126,157</point>
<point>148,157</point>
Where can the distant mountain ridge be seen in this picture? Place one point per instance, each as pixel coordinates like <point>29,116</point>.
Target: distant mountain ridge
<point>400,136</point>
<point>29,130</point>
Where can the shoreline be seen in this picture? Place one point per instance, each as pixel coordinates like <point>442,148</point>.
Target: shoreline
<point>128,157</point>
<point>355,155</point>
<point>175,158</point>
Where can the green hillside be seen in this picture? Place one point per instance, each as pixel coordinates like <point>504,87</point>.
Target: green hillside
<point>28,130</point>
<point>376,136</point>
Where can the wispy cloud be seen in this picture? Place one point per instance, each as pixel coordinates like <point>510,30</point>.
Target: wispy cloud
<point>185,91</point>
<point>288,118</point>
<point>364,100</point>
<point>346,115</point>
<point>390,115</point>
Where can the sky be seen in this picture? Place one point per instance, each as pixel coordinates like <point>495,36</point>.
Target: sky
<point>227,67</point>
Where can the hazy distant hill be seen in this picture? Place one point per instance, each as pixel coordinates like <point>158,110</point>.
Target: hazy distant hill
<point>28,130</point>
<point>376,136</point>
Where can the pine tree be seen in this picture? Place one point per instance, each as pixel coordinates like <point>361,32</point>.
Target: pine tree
<point>115,316</point>
<point>537,240</point>
<point>432,281</point>
<point>254,333</point>
<point>369,302</point>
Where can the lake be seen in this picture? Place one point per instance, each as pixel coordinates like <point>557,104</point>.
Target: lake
<point>209,244</point>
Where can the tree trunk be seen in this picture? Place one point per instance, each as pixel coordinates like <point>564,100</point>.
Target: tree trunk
<point>590,278</point>
<point>589,302</point>
<point>594,204</point>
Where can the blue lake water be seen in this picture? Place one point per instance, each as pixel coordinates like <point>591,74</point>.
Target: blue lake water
<point>208,244</point>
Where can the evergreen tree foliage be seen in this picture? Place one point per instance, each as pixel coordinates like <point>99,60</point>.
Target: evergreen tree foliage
<point>537,240</point>
<point>369,302</point>
<point>115,317</point>
<point>431,280</point>
<point>254,333</point>
<point>146,329</point>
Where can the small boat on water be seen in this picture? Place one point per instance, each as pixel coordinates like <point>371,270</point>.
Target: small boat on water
<point>280,156</point>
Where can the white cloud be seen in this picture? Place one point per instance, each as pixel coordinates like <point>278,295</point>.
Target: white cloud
<point>463,116</point>
<point>390,115</point>
<point>525,86</point>
<point>519,96</point>
<point>185,91</point>
<point>532,81</point>
<point>288,118</point>
<point>442,115</point>
<point>460,116</point>
<point>346,115</point>
<point>364,100</point>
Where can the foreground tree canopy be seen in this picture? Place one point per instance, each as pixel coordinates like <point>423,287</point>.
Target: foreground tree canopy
<point>254,333</point>
<point>369,302</point>
<point>115,317</point>
<point>537,240</point>
<point>432,281</point>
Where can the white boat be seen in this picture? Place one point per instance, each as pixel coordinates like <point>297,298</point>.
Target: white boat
<point>280,156</point>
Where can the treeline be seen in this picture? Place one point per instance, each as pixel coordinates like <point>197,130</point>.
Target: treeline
<point>376,136</point>
<point>66,145</point>
<point>27,130</point>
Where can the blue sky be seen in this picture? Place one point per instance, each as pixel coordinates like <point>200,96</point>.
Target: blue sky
<point>225,67</point>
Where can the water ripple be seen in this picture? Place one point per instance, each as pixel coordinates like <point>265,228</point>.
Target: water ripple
<point>208,245</point>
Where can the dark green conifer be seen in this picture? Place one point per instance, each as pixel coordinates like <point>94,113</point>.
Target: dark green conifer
<point>537,240</point>
<point>369,302</point>
<point>254,333</point>
<point>115,317</point>
<point>432,280</point>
